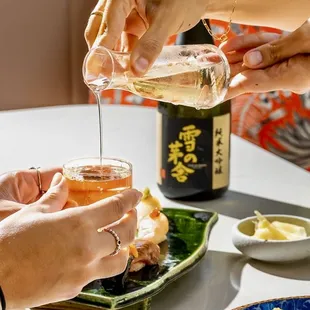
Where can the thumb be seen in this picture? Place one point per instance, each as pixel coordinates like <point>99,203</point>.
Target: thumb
<point>56,197</point>
<point>276,51</point>
<point>148,48</point>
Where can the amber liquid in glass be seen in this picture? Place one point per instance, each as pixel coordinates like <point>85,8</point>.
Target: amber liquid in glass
<point>88,184</point>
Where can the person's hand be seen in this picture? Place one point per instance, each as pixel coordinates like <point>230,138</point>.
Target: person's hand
<point>19,188</point>
<point>48,254</point>
<point>143,25</point>
<point>263,62</point>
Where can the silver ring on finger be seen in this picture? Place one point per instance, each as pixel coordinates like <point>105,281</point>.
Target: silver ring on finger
<point>118,242</point>
<point>39,179</point>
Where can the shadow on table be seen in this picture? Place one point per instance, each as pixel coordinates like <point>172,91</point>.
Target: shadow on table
<point>239,206</point>
<point>212,285</point>
<point>296,271</point>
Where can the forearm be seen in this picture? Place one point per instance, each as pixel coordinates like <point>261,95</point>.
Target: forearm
<point>282,14</point>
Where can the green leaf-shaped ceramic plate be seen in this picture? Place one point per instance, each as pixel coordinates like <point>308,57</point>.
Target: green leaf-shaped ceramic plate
<point>186,245</point>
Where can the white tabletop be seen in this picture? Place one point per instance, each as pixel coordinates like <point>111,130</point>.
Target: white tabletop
<point>224,279</point>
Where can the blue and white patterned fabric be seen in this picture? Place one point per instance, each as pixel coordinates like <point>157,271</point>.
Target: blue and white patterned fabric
<point>283,304</point>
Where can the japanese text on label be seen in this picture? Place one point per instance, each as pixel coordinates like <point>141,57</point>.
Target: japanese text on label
<point>220,157</point>
<point>181,153</point>
<point>219,151</point>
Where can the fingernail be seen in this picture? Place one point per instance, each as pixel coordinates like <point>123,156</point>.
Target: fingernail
<point>254,58</point>
<point>141,65</point>
<point>56,179</point>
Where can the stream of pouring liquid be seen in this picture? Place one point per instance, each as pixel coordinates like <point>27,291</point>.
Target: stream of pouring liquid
<point>98,99</point>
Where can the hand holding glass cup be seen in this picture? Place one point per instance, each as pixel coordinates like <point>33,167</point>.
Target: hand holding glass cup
<point>93,179</point>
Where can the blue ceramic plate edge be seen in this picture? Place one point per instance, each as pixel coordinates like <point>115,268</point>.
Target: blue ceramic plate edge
<point>270,301</point>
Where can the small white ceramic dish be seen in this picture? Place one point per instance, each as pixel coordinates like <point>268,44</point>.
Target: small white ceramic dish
<point>271,251</point>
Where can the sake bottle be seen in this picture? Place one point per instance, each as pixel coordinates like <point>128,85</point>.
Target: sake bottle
<point>193,146</point>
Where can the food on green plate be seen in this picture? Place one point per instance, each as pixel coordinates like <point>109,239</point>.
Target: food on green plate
<point>148,255</point>
<point>145,252</point>
<point>276,230</point>
<point>153,227</point>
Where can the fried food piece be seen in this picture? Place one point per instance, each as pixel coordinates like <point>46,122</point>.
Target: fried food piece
<point>148,254</point>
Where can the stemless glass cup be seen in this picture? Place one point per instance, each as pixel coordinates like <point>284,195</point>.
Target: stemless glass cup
<point>92,179</point>
<point>191,75</point>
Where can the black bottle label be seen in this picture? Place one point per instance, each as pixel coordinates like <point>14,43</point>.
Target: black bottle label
<point>193,153</point>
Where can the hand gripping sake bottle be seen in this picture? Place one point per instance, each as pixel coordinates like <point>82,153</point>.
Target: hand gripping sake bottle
<point>193,146</point>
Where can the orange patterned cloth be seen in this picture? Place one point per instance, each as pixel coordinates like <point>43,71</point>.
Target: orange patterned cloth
<point>277,121</point>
